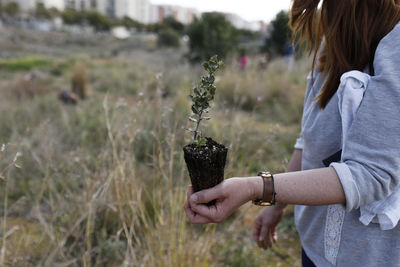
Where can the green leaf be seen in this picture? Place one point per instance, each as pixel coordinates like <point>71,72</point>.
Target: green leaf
<point>202,142</point>
<point>195,110</point>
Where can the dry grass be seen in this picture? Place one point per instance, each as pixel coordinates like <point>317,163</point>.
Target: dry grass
<point>103,183</point>
<point>79,81</point>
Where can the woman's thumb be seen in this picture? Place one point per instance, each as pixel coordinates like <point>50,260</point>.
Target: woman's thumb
<point>205,196</point>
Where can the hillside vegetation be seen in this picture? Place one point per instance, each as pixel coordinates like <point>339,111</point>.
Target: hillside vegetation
<point>103,182</point>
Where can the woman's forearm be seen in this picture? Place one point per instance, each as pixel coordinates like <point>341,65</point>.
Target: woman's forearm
<point>311,187</point>
<point>293,166</point>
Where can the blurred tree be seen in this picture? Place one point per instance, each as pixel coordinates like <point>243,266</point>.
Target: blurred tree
<point>153,27</point>
<point>280,35</point>
<point>71,16</point>
<point>130,23</point>
<point>11,9</point>
<point>98,21</point>
<point>171,22</point>
<point>248,35</point>
<point>169,37</point>
<point>41,12</point>
<point>54,12</point>
<point>210,35</point>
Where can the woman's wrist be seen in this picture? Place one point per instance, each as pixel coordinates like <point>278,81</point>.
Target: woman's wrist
<point>257,187</point>
<point>256,184</point>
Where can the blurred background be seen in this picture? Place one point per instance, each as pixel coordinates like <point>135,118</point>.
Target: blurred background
<point>93,115</point>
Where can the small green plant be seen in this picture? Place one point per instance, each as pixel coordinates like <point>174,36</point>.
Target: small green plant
<point>201,97</point>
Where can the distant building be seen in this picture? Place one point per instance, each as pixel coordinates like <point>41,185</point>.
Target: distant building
<point>78,4</point>
<point>241,23</point>
<point>184,15</point>
<point>26,5</point>
<point>59,4</point>
<point>106,7</point>
<point>138,10</point>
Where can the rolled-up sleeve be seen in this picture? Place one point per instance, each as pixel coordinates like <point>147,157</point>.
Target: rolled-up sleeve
<point>299,143</point>
<point>371,153</point>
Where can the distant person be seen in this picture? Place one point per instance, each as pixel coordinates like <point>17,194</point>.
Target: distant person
<point>263,61</point>
<point>288,54</point>
<point>243,60</point>
<point>344,174</point>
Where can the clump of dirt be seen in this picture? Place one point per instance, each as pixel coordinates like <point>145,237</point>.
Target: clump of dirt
<point>205,164</point>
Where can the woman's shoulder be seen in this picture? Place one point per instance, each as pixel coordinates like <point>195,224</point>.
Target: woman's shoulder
<point>388,50</point>
<point>393,35</point>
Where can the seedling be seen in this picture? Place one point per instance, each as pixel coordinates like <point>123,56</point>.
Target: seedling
<point>201,96</point>
<point>204,158</point>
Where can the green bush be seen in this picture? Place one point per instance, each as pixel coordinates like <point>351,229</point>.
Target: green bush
<point>169,37</point>
<point>11,9</point>
<point>129,23</point>
<point>171,22</point>
<point>71,16</point>
<point>210,35</point>
<point>98,21</point>
<point>41,12</point>
<point>279,36</point>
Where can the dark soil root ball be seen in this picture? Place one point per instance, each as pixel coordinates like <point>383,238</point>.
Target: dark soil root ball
<point>205,164</point>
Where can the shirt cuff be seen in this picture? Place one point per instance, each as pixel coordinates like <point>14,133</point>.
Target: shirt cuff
<point>350,188</point>
<point>299,143</point>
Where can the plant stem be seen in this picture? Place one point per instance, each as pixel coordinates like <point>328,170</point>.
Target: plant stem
<point>197,126</point>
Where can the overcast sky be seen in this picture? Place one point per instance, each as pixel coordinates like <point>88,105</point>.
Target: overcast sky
<point>250,10</point>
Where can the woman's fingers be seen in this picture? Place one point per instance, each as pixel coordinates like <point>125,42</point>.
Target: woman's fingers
<point>194,217</point>
<point>212,212</point>
<point>206,196</point>
<point>263,239</point>
<point>256,230</point>
<point>264,235</point>
<point>274,235</point>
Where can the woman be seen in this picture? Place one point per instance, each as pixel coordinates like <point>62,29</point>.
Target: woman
<point>362,35</point>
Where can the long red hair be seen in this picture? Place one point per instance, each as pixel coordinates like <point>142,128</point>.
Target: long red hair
<point>348,31</point>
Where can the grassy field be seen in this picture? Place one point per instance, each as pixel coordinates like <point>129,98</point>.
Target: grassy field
<point>103,183</point>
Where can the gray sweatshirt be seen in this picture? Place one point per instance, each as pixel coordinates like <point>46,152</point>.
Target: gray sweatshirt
<point>373,157</point>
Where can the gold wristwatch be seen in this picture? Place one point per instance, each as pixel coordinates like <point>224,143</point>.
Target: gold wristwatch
<point>264,201</point>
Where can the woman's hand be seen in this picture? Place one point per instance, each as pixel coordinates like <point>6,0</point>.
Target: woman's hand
<point>265,225</point>
<point>229,195</point>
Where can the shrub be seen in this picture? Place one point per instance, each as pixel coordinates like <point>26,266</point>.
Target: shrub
<point>98,21</point>
<point>169,37</point>
<point>11,9</point>
<point>171,22</point>
<point>71,16</point>
<point>280,35</point>
<point>41,12</point>
<point>129,23</point>
<point>210,35</point>
<point>78,82</point>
